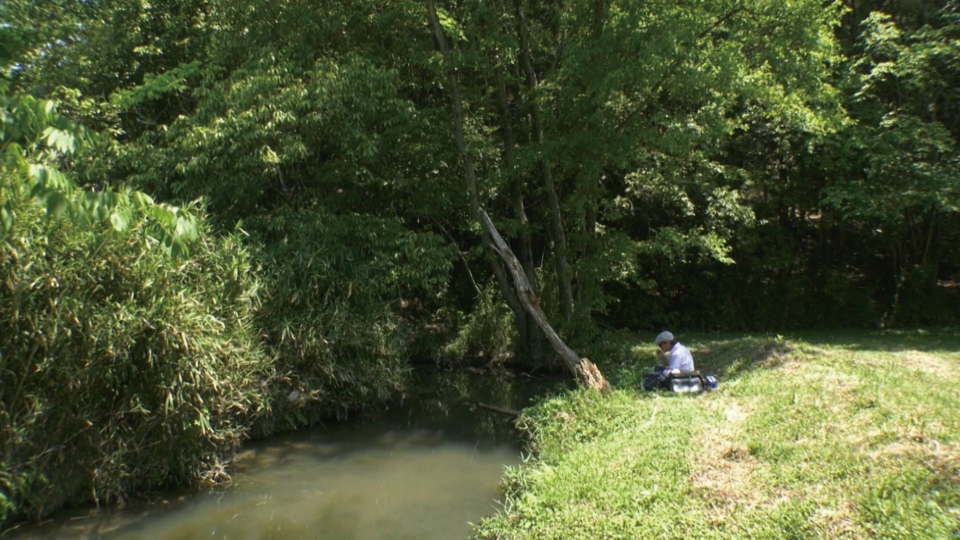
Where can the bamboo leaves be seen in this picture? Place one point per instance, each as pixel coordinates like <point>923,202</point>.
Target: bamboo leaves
<point>162,362</point>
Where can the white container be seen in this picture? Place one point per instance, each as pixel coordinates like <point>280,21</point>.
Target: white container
<point>686,385</point>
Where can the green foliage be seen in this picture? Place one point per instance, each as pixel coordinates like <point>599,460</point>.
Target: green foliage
<point>487,332</point>
<point>121,371</point>
<point>345,107</point>
<point>159,352</point>
<point>854,227</point>
<point>730,165</point>
<point>646,97</point>
<point>124,366</point>
<point>271,133</point>
<point>155,86</point>
<point>34,142</point>
<point>334,293</point>
<point>705,158</point>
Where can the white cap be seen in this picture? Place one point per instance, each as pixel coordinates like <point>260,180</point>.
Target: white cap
<point>663,336</point>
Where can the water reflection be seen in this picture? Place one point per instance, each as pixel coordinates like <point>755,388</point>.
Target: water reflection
<point>407,490</point>
<point>423,469</point>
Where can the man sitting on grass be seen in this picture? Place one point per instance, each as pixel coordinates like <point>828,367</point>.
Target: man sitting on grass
<point>674,356</point>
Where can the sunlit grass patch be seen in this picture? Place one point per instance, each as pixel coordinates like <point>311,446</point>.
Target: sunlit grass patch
<point>594,477</point>
<point>803,439</point>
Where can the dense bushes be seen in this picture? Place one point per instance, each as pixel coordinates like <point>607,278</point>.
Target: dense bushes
<point>337,289</point>
<point>122,369</point>
<point>488,332</point>
<point>126,369</point>
<point>134,351</point>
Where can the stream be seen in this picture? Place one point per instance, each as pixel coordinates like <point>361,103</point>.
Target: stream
<point>425,468</point>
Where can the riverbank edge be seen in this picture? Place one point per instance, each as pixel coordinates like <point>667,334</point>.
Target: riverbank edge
<point>284,421</point>
<point>461,389</point>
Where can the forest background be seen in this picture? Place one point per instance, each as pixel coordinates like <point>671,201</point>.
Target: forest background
<point>223,219</point>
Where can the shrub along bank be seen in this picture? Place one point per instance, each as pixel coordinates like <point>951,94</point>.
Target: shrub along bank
<point>125,370</point>
<point>135,349</point>
<point>122,370</point>
<point>334,286</point>
<point>852,437</point>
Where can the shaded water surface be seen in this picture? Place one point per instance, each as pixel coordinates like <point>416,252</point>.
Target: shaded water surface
<point>424,469</point>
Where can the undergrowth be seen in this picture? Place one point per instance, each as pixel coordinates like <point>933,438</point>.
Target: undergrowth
<point>488,332</point>
<point>334,287</point>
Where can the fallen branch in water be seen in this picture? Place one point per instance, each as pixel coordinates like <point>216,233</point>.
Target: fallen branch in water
<point>500,410</point>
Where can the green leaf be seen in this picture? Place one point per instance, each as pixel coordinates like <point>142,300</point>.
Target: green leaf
<point>57,204</point>
<point>64,141</point>
<point>120,221</point>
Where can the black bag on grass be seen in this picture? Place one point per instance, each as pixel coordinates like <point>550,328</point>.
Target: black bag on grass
<point>651,380</point>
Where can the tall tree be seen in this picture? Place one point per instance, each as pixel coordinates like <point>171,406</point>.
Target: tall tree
<point>469,172</point>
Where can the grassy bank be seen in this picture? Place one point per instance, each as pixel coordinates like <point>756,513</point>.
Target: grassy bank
<point>853,436</point>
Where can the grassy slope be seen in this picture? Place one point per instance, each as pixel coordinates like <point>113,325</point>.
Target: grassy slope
<point>854,436</point>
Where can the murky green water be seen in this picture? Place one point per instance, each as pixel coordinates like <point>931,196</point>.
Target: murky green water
<point>422,470</point>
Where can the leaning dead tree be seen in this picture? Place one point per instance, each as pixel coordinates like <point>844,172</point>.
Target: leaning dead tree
<point>583,369</point>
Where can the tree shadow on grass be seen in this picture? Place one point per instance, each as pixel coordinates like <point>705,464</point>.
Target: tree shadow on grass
<point>731,359</point>
<point>944,341</point>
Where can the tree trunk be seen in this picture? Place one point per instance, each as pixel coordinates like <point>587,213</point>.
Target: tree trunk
<point>583,369</point>
<point>928,245</point>
<point>556,217</point>
<point>470,174</point>
<point>586,282</point>
<point>534,343</point>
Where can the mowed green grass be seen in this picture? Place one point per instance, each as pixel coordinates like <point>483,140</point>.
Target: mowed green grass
<point>846,436</point>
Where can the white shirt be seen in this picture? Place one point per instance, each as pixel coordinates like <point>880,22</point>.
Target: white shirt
<point>680,358</point>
